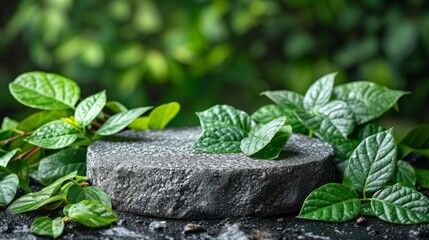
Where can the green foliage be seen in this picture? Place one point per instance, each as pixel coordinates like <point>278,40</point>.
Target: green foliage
<point>229,130</point>
<point>8,188</point>
<point>44,226</point>
<point>158,117</point>
<point>120,121</point>
<point>91,213</point>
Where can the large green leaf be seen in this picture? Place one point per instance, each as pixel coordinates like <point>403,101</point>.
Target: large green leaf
<point>331,120</point>
<point>286,99</point>
<point>4,160</point>
<point>91,213</point>
<point>401,205</point>
<point>38,119</point>
<point>162,115</point>
<point>62,163</point>
<point>268,141</point>
<point>270,112</point>
<point>89,108</point>
<point>373,163</point>
<point>8,188</point>
<point>223,116</point>
<point>405,173</point>
<point>332,202</point>
<point>77,193</point>
<point>422,177</point>
<point>319,92</point>
<point>367,100</point>
<point>120,121</point>
<point>45,91</point>
<point>220,140</point>
<point>54,135</point>
<point>8,124</point>
<point>44,226</point>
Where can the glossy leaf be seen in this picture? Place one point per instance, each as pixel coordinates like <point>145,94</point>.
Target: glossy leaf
<point>44,226</point>
<point>400,205</point>
<point>54,135</point>
<point>116,107</point>
<point>405,173</point>
<point>41,118</point>
<point>8,187</point>
<point>120,121</point>
<point>286,99</point>
<point>268,141</point>
<point>373,163</point>
<point>45,91</point>
<point>4,160</point>
<point>367,100</point>
<point>220,140</point>
<point>8,123</point>
<point>331,120</point>
<point>270,112</point>
<point>89,108</point>
<point>332,202</point>
<point>62,163</point>
<point>422,177</point>
<point>162,115</point>
<point>91,213</point>
<point>224,116</point>
<point>319,93</point>
<point>77,193</point>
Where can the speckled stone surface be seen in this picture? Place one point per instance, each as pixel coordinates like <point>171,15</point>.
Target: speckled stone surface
<point>155,173</point>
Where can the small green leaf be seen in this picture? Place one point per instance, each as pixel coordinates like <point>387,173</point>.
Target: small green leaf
<point>220,140</point>
<point>8,124</point>
<point>75,194</point>
<point>97,194</point>
<point>286,99</point>
<point>405,173</point>
<point>422,177</point>
<point>116,107</point>
<point>332,202</point>
<point>373,163</point>
<point>319,92</point>
<point>89,108</point>
<point>367,100</point>
<point>120,121</point>
<point>44,226</point>
<point>268,141</point>
<point>162,115</point>
<point>400,205</point>
<point>367,210</point>
<point>4,160</point>
<point>270,112</point>
<point>54,135</point>
<point>8,188</point>
<point>417,138</point>
<point>45,91</point>
<point>141,123</point>
<point>224,116</point>
<point>331,120</point>
<point>91,213</point>
<point>61,163</point>
<point>39,119</point>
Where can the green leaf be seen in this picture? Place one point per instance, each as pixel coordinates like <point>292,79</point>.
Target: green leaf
<point>422,177</point>
<point>44,226</point>
<point>270,112</point>
<point>116,107</point>
<point>368,129</point>
<point>373,163</point>
<point>162,115</point>
<point>54,135</point>
<point>4,160</point>
<point>367,210</point>
<point>332,202</point>
<point>220,140</point>
<point>343,149</point>
<point>286,99</point>
<point>141,123</point>
<point>8,124</point>
<point>367,100</point>
<point>45,91</point>
<point>268,141</point>
<point>417,138</point>
<point>39,119</point>
<point>224,116</point>
<point>91,213</point>
<point>405,173</point>
<point>61,163</point>
<point>120,121</point>
<point>319,92</point>
<point>8,188</point>
<point>89,108</point>
<point>400,205</point>
<point>331,120</point>
<point>77,193</point>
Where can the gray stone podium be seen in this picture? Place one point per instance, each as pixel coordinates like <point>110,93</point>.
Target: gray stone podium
<point>155,173</point>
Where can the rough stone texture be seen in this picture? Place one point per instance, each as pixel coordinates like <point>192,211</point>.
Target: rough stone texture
<point>155,173</point>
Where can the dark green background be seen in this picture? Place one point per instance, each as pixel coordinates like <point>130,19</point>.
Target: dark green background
<point>201,53</point>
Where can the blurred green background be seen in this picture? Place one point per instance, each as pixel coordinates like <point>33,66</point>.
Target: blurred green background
<point>201,53</point>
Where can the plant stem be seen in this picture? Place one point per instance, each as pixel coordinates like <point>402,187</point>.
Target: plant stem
<point>87,135</point>
<point>27,154</point>
<point>14,138</point>
<point>310,133</point>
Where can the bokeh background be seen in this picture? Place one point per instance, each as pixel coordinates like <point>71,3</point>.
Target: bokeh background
<point>201,53</point>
